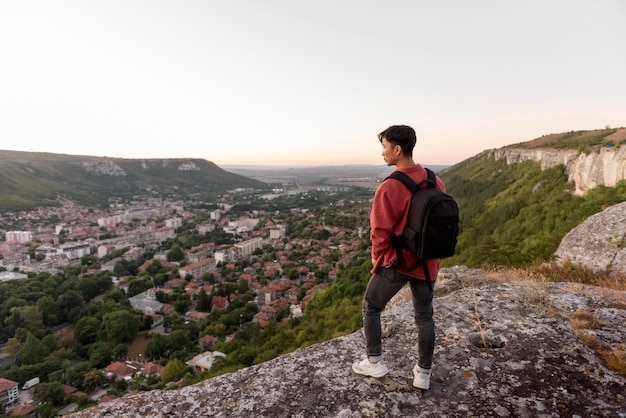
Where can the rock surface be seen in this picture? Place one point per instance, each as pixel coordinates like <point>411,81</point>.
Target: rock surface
<point>598,243</point>
<point>535,364</point>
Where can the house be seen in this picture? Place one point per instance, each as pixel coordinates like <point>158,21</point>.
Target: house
<point>120,370</point>
<point>23,410</point>
<point>203,362</point>
<point>207,341</point>
<point>9,392</point>
<point>219,303</point>
<point>151,369</point>
<point>262,318</point>
<point>174,283</point>
<point>195,316</point>
<point>69,390</point>
<point>145,302</point>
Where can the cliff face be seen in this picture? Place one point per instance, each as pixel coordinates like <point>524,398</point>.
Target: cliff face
<point>535,363</point>
<point>587,171</point>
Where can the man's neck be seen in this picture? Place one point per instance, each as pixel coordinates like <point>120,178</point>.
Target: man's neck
<point>405,162</point>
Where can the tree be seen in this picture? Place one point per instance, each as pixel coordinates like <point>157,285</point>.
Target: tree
<point>176,254</point>
<point>32,352</point>
<point>177,340</point>
<point>173,370</point>
<point>50,310</point>
<point>71,303</point>
<point>119,327</point>
<point>93,379</point>
<point>49,392</point>
<point>157,347</point>
<point>203,304</point>
<point>51,342</point>
<point>12,347</point>
<point>86,330</point>
<point>28,317</point>
<point>100,355</point>
<point>181,305</point>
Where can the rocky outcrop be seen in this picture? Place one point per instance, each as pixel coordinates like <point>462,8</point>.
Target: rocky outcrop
<point>188,166</point>
<point>606,167</point>
<point>598,243</point>
<point>534,363</point>
<point>106,168</point>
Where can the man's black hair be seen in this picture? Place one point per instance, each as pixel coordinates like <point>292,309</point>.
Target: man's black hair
<point>400,135</point>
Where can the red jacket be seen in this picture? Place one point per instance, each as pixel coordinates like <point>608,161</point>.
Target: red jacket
<point>388,218</point>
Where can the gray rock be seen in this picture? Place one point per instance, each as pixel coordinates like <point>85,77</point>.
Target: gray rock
<point>598,243</point>
<point>540,367</point>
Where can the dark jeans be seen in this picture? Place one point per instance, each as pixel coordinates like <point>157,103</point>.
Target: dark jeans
<point>381,288</point>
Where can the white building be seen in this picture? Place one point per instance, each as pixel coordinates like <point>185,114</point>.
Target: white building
<point>19,236</point>
<point>278,231</point>
<point>9,392</point>
<point>174,222</point>
<point>247,248</point>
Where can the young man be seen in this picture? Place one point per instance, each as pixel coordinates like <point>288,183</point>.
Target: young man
<point>388,217</point>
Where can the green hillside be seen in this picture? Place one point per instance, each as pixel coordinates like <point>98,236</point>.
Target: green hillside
<point>517,215</point>
<point>29,180</point>
<point>583,141</point>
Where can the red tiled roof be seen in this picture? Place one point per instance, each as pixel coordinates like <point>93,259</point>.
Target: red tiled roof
<point>6,384</point>
<point>21,410</point>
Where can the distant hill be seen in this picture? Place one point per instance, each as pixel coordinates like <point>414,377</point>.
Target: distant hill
<point>358,175</point>
<point>33,179</point>
<point>583,141</point>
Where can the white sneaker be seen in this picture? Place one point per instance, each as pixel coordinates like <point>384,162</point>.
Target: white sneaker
<point>421,378</point>
<point>366,368</point>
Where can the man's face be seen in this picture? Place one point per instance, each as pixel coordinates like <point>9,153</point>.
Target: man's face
<point>391,152</point>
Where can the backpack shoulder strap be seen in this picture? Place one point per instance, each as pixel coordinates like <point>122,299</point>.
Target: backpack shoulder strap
<point>405,179</point>
<point>431,181</point>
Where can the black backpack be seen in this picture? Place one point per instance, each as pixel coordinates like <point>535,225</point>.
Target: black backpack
<point>433,222</point>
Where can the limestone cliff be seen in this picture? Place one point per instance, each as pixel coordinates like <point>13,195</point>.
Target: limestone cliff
<point>587,171</point>
<point>533,364</point>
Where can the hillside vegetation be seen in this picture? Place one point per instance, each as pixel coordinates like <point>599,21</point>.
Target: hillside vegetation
<point>516,215</point>
<point>583,141</point>
<point>29,180</point>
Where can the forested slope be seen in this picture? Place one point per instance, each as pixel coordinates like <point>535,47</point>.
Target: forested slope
<point>516,215</point>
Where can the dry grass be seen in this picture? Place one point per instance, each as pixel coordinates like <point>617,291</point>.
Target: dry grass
<point>567,272</point>
<point>615,359</point>
<point>582,319</point>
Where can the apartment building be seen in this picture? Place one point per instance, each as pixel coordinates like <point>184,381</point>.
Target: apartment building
<point>247,248</point>
<point>196,270</point>
<point>9,392</point>
<point>19,236</point>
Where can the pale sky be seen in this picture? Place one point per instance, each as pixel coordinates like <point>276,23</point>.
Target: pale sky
<point>288,82</point>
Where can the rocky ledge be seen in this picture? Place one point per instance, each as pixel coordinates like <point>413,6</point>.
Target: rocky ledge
<point>504,349</point>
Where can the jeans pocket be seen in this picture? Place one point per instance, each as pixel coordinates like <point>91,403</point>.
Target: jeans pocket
<point>391,275</point>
